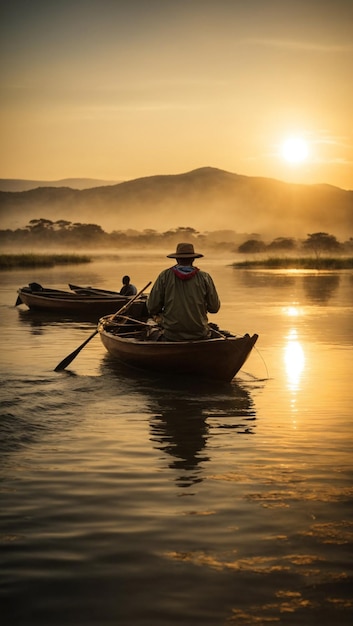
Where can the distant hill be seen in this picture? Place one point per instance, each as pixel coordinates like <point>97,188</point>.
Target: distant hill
<point>13,184</point>
<point>204,199</point>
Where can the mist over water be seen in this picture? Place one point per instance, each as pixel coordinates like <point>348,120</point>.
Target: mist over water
<point>135,499</point>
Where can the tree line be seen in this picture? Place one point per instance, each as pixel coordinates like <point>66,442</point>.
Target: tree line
<point>316,243</point>
<point>63,233</point>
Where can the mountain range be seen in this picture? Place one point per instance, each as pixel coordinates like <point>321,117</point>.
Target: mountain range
<point>18,184</point>
<point>204,199</point>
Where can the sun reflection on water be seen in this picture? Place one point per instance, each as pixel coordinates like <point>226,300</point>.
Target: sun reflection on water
<point>294,360</point>
<point>292,311</point>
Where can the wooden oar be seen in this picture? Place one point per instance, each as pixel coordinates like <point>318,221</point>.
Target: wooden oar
<point>68,359</point>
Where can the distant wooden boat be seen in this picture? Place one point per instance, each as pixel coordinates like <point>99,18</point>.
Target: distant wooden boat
<point>217,358</point>
<point>92,291</point>
<point>38,298</point>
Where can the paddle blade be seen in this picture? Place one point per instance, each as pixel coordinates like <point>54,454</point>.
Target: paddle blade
<point>68,359</point>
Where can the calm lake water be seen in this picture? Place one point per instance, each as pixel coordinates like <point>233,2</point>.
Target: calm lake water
<point>135,500</point>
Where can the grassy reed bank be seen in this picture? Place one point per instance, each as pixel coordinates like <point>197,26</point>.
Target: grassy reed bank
<point>303,263</point>
<point>13,261</point>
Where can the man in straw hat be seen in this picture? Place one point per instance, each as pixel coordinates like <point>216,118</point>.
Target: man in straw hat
<point>182,296</point>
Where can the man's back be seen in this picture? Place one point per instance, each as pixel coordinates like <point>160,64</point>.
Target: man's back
<point>183,303</point>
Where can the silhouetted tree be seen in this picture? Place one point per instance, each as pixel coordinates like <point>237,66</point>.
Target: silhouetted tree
<point>321,242</point>
<point>88,230</point>
<point>252,246</point>
<point>40,225</point>
<point>62,225</point>
<point>282,243</point>
<point>348,245</point>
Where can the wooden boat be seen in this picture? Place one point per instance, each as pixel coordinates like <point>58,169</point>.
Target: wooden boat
<point>92,291</point>
<point>36,297</point>
<point>217,358</point>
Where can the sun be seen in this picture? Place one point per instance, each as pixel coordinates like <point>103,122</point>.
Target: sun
<point>295,150</point>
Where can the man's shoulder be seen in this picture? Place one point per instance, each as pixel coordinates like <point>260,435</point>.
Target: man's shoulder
<point>204,274</point>
<point>165,272</point>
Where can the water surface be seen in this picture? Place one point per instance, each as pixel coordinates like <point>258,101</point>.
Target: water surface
<point>140,500</point>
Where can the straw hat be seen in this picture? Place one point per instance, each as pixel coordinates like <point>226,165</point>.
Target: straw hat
<point>184,251</point>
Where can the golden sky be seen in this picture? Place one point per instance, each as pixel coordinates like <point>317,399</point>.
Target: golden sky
<point>119,89</point>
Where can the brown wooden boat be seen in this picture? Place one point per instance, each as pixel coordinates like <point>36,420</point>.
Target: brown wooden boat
<point>217,358</point>
<point>36,297</point>
<point>92,291</point>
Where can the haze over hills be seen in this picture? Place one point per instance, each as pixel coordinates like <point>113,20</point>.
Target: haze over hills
<point>205,199</point>
<point>14,184</point>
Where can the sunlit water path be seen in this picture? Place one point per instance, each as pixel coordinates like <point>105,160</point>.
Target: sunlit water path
<point>138,500</point>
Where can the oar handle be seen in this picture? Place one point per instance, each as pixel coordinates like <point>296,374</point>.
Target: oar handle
<point>128,304</point>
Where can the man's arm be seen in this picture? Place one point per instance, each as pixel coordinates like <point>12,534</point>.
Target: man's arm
<point>212,298</point>
<point>155,300</point>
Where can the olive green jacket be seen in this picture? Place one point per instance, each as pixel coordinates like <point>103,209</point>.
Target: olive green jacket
<point>183,304</point>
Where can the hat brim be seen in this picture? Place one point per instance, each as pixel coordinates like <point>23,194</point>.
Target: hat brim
<point>184,255</point>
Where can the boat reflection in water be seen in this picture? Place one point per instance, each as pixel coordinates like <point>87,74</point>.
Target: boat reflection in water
<point>181,431</point>
<point>43,319</point>
<point>184,425</point>
<point>186,413</point>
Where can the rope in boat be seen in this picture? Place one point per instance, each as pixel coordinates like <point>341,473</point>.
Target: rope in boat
<point>264,362</point>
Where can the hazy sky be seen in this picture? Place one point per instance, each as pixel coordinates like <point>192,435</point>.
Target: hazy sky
<point>119,89</point>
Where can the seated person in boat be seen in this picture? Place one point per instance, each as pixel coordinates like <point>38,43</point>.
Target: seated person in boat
<point>128,289</point>
<point>182,296</point>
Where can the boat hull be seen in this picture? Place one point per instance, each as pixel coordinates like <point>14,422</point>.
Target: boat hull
<point>216,359</point>
<point>54,301</point>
